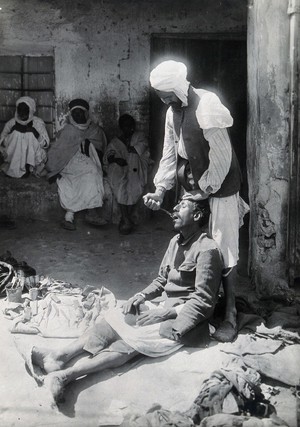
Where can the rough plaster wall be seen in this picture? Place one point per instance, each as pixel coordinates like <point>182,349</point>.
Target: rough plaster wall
<point>268,157</point>
<point>102,48</point>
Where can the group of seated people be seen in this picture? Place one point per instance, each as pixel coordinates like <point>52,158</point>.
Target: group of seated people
<point>77,160</point>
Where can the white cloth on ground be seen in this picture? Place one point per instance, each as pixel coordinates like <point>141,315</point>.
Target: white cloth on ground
<point>144,339</point>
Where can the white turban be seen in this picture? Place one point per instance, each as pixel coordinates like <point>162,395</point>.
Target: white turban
<point>170,76</point>
<point>32,107</point>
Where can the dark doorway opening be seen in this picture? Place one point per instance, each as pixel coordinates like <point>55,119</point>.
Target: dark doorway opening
<point>216,62</point>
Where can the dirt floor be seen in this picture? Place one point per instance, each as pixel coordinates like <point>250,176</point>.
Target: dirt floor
<point>101,256</point>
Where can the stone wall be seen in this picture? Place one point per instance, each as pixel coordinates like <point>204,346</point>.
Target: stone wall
<point>267,150</point>
<point>102,48</point>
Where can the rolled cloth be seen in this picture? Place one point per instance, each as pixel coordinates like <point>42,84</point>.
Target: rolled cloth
<point>170,76</point>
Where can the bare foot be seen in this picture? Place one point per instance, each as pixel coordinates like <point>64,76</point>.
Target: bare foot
<point>45,359</point>
<point>56,382</point>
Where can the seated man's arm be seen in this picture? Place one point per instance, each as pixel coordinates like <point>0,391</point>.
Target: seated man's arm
<point>40,132</point>
<point>6,131</point>
<point>201,305</point>
<point>99,141</point>
<point>155,288</point>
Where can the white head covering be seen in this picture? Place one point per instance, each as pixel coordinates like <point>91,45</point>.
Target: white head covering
<point>83,105</point>
<point>32,107</point>
<point>170,76</point>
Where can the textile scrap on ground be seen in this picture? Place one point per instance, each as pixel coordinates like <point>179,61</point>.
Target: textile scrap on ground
<point>60,311</point>
<point>189,380</point>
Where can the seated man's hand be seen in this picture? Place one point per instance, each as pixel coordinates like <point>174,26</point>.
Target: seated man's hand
<point>132,305</point>
<point>30,128</point>
<point>111,158</point>
<point>156,315</point>
<point>131,149</point>
<point>120,161</point>
<point>153,200</point>
<point>3,154</point>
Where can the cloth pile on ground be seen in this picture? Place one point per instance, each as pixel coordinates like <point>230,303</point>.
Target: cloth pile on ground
<point>233,395</point>
<point>62,310</point>
<point>10,267</point>
<point>225,378</point>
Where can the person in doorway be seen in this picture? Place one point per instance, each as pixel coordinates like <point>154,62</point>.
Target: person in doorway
<point>198,155</point>
<point>74,161</point>
<point>189,277</point>
<point>127,159</point>
<point>24,141</point>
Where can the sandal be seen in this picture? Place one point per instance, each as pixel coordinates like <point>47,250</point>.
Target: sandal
<point>67,225</point>
<point>226,332</point>
<point>125,227</point>
<point>97,221</point>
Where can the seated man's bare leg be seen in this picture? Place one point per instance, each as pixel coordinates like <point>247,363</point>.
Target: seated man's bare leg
<point>56,381</point>
<point>54,360</point>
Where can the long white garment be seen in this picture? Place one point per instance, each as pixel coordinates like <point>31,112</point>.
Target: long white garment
<point>128,181</point>
<point>81,183</point>
<point>144,339</point>
<point>24,148</point>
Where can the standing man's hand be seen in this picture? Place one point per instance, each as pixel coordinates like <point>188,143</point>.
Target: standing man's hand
<point>154,200</point>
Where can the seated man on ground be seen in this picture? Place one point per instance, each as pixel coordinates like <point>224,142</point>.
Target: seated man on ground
<point>128,159</point>
<point>74,160</point>
<point>23,142</point>
<point>189,279</point>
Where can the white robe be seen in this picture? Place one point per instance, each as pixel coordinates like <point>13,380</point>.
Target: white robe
<point>81,183</point>
<point>20,149</point>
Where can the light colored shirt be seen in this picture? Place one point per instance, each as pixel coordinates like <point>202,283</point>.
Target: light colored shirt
<point>220,156</point>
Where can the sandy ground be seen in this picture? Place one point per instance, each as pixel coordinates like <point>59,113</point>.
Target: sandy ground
<point>91,256</point>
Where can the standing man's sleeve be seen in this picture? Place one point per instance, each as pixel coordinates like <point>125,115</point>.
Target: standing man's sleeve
<point>220,155</point>
<point>166,174</point>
